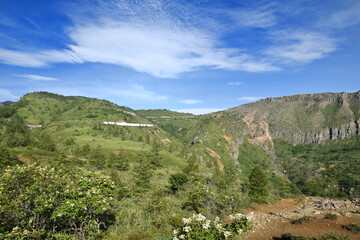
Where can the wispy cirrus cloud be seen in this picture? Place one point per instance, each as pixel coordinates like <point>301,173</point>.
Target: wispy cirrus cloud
<point>36,77</point>
<point>342,18</point>
<point>6,21</point>
<point>5,95</point>
<point>191,101</point>
<point>300,47</point>
<point>166,39</point>
<point>235,83</point>
<point>249,99</point>
<point>37,58</point>
<point>160,52</point>
<point>150,37</point>
<point>256,18</point>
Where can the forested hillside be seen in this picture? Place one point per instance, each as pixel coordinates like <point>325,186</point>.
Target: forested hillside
<point>67,175</point>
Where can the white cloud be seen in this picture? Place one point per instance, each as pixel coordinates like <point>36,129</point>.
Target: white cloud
<point>199,111</point>
<point>342,18</point>
<point>249,99</point>
<point>253,18</point>
<point>154,37</point>
<point>301,47</point>
<point>137,91</point>
<point>161,52</point>
<point>37,59</point>
<point>7,95</point>
<point>235,83</point>
<point>6,21</point>
<point>36,77</point>
<point>191,101</point>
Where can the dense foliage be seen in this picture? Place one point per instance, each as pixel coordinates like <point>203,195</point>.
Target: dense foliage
<point>41,202</point>
<point>323,170</point>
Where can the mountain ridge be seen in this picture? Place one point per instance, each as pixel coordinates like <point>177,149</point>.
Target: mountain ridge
<point>303,118</point>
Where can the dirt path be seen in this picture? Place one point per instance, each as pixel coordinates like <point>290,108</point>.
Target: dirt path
<point>273,220</point>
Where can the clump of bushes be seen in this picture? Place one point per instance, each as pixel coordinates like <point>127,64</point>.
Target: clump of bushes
<point>332,236</point>
<point>353,228</point>
<point>39,202</point>
<point>198,227</point>
<point>301,220</point>
<point>290,236</point>
<point>331,216</point>
<point>328,236</point>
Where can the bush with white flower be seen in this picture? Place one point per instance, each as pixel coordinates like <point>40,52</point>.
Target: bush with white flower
<point>38,202</point>
<point>197,227</point>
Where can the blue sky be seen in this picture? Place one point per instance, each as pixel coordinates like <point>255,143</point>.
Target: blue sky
<point>197,56</point>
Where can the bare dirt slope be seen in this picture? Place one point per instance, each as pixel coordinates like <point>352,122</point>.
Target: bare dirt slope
<point>273,220</point>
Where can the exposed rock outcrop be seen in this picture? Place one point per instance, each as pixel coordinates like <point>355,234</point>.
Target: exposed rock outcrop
<point>338,133</point>
<point>302,118</point>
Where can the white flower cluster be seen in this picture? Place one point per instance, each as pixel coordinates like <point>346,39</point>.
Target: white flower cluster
<point>197,223</point>
<point>187,220</point>
<point>198,217</point>
<point>206,225</point>
<point>227,234</point>
<point>187,229</point>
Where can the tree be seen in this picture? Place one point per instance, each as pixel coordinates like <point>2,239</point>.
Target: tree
<point>258,183</point>
<point>120,161</point>
<point>16,133</point>
<point>177,180</point>
<point>143,172</point>
<point>155,157</point>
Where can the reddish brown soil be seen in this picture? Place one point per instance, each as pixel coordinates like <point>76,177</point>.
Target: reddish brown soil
<point>273,220</point>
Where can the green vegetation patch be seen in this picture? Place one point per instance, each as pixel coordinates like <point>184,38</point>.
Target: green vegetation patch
<point>353,228</point>
<point>323,170</point>
<point>301,220</point>
<point>331,216</point>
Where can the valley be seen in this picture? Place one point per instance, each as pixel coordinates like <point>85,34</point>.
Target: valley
<point>160,166</point>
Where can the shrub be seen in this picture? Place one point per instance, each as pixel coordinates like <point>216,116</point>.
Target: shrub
<point>353,228</point>
<point>198,227</point>
<point>290,236</point>
<point>41,202</point>
<point>328,236</point>
<point>301,220</point>
<point>332,236</point>
<point>7,158</point>
<point>331,216</point>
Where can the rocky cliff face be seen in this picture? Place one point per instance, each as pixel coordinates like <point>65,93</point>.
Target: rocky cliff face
<point>304,118</point>
<point>321,136</point>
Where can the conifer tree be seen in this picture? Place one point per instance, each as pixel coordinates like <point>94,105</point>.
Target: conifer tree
<point>258,183</point>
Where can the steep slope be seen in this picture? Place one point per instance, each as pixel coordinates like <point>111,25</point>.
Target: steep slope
<point>312,139</point>
<point>304,118</point>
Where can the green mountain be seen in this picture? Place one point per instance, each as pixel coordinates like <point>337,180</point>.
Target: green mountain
<point>175,165</point>
<point>304,118</point>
